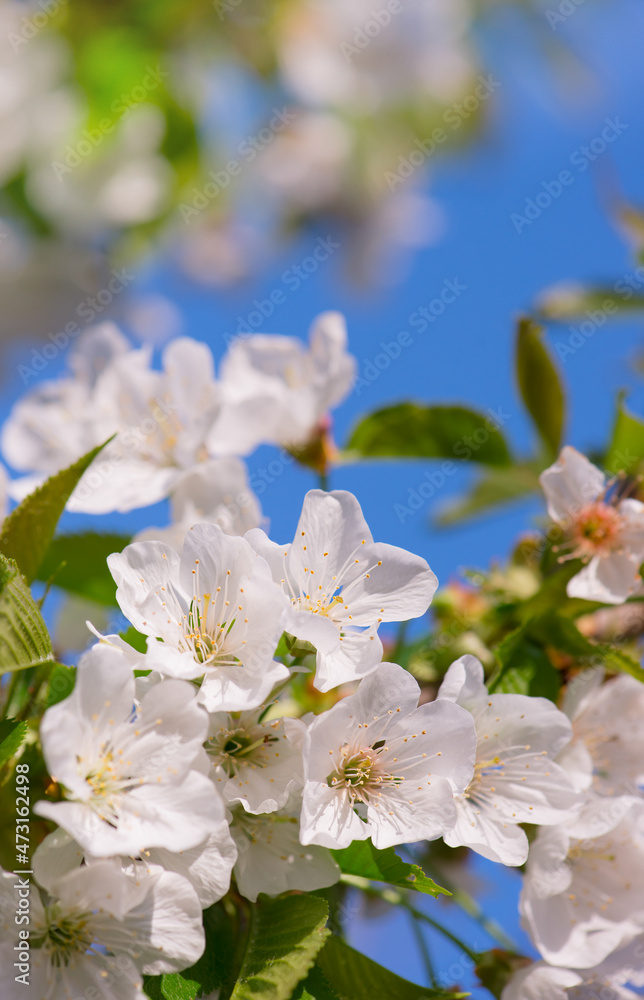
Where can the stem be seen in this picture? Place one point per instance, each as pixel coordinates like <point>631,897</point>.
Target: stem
<point>324,480</point>
<point>396,898</point>
<point>444,931</point>
<point>424,952</point>
<point>470,906</point>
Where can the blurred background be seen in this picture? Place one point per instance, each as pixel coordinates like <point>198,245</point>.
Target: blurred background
<point>428,167</point>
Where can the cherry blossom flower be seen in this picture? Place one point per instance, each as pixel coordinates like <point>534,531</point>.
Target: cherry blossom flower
<point>128,768</point>
<point>606,532</point>
<point>97,930</point>
<point>215,609</point>
<point>606,755</point>
<point>216,491</point>
<point>253,762</point>
<point>377,765</point>
<point>582,895</point>
<point>271,858</point>
<point>275,391</point>
<point>207,867</point>
<point>607,981</point>
<point>342,584</point>
<point>161,420</point>
<point>515,779</point>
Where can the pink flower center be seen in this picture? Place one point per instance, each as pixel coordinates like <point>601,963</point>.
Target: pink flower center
<point>596,530</point>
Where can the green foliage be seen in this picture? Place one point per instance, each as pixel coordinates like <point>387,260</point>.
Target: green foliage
<point>77,564</point>
<point>12,734</point>
<point>213,970</point>
<point>61,684</point>
<point>24,639</point>
<point>524,667</point>
<point>495,488</point>
<point>316,987</point>
<point>539,384</point>
<point>29,529</point>
<point>361,858</point>
<point>626,449</point>
<point>409,430</point>
<point>355,977</point>
<point>285,936</point>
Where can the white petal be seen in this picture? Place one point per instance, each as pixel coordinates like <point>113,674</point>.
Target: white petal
<point>570,483</point>
<point>609,579</point>
<point>464,683</point>
<point>328,818</point>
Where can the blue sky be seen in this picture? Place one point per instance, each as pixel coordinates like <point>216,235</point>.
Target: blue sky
<point>536,126</point>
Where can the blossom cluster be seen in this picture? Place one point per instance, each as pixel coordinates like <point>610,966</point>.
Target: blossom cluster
<point>180,768</point>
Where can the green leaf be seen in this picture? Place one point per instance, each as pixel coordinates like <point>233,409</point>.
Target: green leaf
<point>626,449</point>
<point>285,936</point>
<point>29,529</point>
<point>573,302</point>
<point>316,987</point>
<point>78,564</point>
<point>61,684</point>
<point>539,384</point>
<point>620,662</point>
<point>12,733</point>
<point>409,430</point>
<point>356,977</point>
<point>209,973</point>
<point>495,488</point>
<point>24,639</point>
<point>524,668</point>
<point>361,858</point>
<point>135,639</point>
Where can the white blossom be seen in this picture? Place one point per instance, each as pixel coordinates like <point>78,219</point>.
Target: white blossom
<point>128,768</point>
<point>257,763</point>
<point>582,896</point>
<point>606,755</point>
<point>515,778</point>
<point>276,391</point>
<point>271,858</point>
<point>161,419</point>
<point>207,867</point>
<point>215,609</point>
<point>606,531</point>
<point>97,930</point>
<point>342,585</point>
<point>216,491</point>
<point>377,765</point>
<point>608,981</point>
